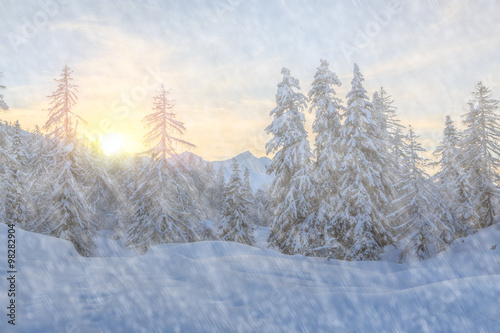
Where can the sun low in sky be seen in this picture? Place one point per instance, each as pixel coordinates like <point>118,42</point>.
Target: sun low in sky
<point>113,143</point>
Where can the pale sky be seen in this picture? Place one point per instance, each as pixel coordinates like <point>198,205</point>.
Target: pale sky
<point>221,60</point>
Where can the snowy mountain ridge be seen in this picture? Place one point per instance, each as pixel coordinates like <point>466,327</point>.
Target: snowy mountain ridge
<point>256,165</point>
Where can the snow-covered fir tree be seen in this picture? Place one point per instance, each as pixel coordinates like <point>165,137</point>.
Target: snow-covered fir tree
<point>199,181</point>
<point>327,126</point>
<point>197,187</point>
<point>364,187</point>
<point>263,205</point>
<point>4,157</point>
<point>481,150</point>
<point>326,107</point>
<point>68,214</point>
<point>158,199</point>
<point>3,146</point>
<point>124,170</point>
<point>36,171</point>
<point>378,114</point>
<point>392,139</point>
<point>188,184</point>
<point>235,211</point>
<point>13,184</point>
<point>452,181</point>
<point>119,171</point>
<point>38,156</point>
<point>62,120</point>
<point>292,186</point>
<point>385,115</point>
<point>249,196</point>
<point>34,140</point>
<point>423,231</point>
<point>104,197</point>
<point>247,188</point>
<point>218,191</point>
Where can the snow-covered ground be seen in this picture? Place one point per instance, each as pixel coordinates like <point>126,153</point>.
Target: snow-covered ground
<point>228,287</point>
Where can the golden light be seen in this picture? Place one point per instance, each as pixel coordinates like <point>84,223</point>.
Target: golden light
<point>112,143</point>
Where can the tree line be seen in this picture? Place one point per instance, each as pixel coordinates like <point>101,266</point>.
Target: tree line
<point>361,187</point>
<point>62,185</point>
<point>364,186</point>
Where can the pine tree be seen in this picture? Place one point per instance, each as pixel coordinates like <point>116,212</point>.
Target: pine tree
<point>61,123</point>
<point>34,143</point>
<point>292,185</point>
<point>452,182</point>
<point>124,172</point>
<point>103,196</point>
<point>247,188</point>
<point>38,154</point>
<point>164,128</point>
<point>14,210</point>
<point>384,114</point>
<point>360,214</point>
<point>38,161</point>
<point>263,206</point>
<point>69,214</point>
<point>423,231</point>
<point>378,114</point>
<point>3,142</point>
<point>159,199</point>
<point>205,187</point>
<point>199,187</point>
<point>4,158</point>
<point>391,132</point>
<point>235,212</point>
<point>218,192</point>
<point>249,196</point>
<point>118,171</point>
<point>327,126</point>
<point>481,144</point>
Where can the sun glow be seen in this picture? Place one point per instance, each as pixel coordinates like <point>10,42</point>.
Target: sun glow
<point>112,143</point>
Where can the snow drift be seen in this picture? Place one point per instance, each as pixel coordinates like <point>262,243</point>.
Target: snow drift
<point>229,287</point>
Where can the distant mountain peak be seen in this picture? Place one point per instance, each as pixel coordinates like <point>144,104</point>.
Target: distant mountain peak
<point>244,156</point>
<point>187,153</point>
<point>257,167</point>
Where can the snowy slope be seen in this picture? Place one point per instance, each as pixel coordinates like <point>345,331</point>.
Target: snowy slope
<point>229,287</point>
<point>257,167</point>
